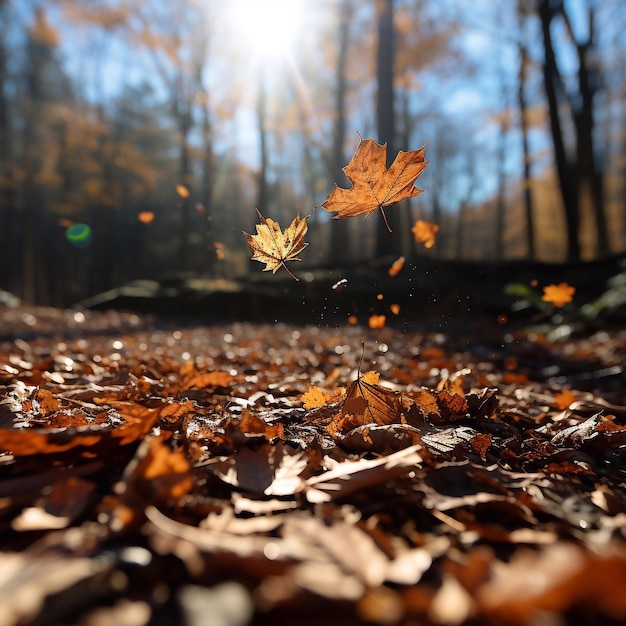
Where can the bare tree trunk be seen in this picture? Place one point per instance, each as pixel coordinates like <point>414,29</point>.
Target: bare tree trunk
<point>183,117</point>
<point>385,115</point>
<point>340,241</point>
<point>7,197</point>
<point>208,178</point>
<point>590,167</point>
<point>262,194</point>
<point>523,113</point>
<point>501,195</point>
<point>567,173</point>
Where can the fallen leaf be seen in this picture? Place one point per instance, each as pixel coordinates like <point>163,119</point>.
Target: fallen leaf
<point>563,399</point>
<point>314,398</point>
<point>373,185</point>
<point>274,247</point>
<point>366,403</point>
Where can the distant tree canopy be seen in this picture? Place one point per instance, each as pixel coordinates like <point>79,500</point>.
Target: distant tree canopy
<point>111,109</point>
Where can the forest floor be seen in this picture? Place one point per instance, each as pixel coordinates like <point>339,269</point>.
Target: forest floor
<point>167,470</point>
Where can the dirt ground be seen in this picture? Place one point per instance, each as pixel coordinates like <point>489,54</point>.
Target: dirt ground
<point>169,471</point>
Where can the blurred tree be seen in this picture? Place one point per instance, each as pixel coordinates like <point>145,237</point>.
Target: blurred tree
<point>386,242</point>
<point>340,242</point>
<point>46,88</point>
<point>8,214</point>
<point>523,10</point>
<point>580,171</point>
<point>176,35</point>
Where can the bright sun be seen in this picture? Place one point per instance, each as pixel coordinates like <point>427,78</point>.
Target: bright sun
<point>267,27</point>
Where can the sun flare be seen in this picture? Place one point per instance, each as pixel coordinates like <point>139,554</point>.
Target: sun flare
<point>267,28</point>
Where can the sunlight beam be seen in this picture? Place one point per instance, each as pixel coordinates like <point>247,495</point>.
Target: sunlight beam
<point>269,28</point>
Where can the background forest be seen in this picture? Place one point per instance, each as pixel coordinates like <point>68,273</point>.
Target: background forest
<point>162,124</point>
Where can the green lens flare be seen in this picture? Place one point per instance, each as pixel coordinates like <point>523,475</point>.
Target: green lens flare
<point>78,233</point>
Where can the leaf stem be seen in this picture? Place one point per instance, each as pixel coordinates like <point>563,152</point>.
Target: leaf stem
<point>385,218</point>
<point>290,272</point>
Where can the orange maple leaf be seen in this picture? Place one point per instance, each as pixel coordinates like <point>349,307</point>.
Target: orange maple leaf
<point>274,247</point>
<point>558,294</point>
<point>314,397</point>
<point>377,321</point>
<point>397,265</point>
<point>424,232</point>
<point>182,191</point>
<point>145,217</point>
<point>373,185</point>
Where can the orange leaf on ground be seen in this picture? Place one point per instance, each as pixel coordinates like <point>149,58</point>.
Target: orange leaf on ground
<point>564,399</point>
<point>424,232</point>
<point>558,294</point>
<point>314,398</point>
<point>373,185</point>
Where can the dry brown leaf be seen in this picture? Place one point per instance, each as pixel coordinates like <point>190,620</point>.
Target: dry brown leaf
<point>373,185</point>
<point>366,403</point>
<point>274,247</point>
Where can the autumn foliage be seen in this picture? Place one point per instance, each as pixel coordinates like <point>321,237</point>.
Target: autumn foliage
<point>374,187</point>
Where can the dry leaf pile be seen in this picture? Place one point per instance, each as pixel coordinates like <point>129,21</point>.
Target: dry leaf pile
<point>252,474</point>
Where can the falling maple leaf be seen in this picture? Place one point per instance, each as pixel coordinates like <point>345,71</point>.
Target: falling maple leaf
<point>424,232</point>
<point>145,217</point>
<point>397,265</point>
<point>377,321</point>
<point>558,294</point>
<point>395,309</point>
<point>373,185</point>
<point>274,247</point>
<point>182,191</point>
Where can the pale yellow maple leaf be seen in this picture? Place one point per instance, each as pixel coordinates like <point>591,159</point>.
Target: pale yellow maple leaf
<point>274,247</point>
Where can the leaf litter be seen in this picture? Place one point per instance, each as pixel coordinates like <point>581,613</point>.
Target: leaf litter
<point>145,464</point>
